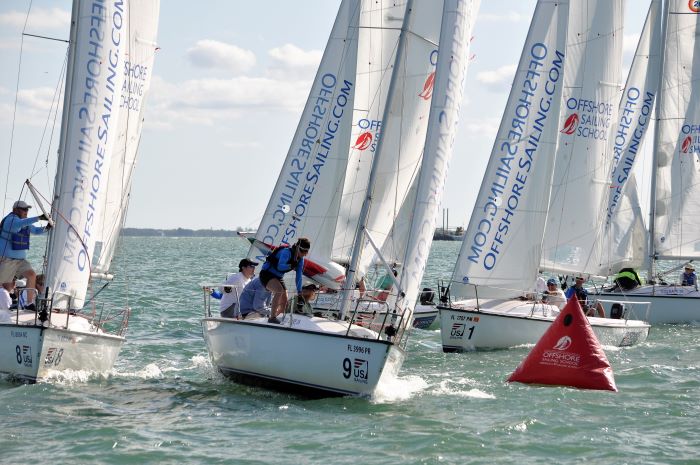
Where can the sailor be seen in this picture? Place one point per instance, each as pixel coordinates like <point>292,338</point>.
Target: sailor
<point>282,260</point>
<point>627,279</point>
<point>254,300</point>
<point>688,277</point>
<point>582,296</point>
<point>15,230</point>
<point>301,304</point>
<point>233,287</point>
<point>553,295</point>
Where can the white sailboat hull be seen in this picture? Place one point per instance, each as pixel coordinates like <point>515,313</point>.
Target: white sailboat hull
<point>312,357</point>
<point>499,324</point>
<point>32,353</point>
<point>374,312</point>
<point>669,304</point>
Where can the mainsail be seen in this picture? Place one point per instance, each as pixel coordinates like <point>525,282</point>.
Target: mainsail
<point>457,21</point>
<point>111,45</point>
<point>675,227</point>
<point>572,239</point>
<point>624,241</point>
<point>501,251</point>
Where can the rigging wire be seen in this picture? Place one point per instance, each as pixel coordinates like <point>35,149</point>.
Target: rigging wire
<point>14,110</point>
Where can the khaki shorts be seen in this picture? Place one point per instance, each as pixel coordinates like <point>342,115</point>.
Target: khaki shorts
<point>10,267</point>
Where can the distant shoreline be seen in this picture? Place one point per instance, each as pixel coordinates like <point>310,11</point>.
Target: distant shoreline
<point>440,235</point>
<point>179,232</point>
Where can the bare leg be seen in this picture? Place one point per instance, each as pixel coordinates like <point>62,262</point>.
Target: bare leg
<point>599,308</point>
<point>31,284</point>
<point>279,296</point>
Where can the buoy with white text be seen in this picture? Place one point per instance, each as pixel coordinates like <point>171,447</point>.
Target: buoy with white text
<point>567,354</point>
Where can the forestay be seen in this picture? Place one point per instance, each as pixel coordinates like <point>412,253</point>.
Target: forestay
<point>501,249</point>
<point>109,68</point>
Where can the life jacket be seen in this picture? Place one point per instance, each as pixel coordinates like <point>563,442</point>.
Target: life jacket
<point>628,279</point>
<point>18,240</point>
<point>689,279</point>
<point>273,259</point>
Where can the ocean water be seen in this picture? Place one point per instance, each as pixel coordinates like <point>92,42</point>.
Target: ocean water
<point>164,403</point>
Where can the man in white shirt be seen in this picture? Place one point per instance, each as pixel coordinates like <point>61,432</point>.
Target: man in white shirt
<point>233,287</point>
<point>5,299</point>
<point>553,295</point>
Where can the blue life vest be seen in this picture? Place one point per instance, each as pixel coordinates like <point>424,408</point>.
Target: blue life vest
<point>273,260</point>
<point>20,239</point>
<point>689,279</point>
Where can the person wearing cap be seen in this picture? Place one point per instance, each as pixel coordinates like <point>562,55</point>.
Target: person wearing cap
<point>15,231</point>
<point>553,295</point>
<point>233,287</point>
<point>301,304</point>
<point>688,277</point>
<point>582,296</point>
<point>282,260</point>
<point>254,300</point>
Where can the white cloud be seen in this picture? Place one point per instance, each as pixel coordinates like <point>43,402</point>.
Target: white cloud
<point>40,19</point>
<point>629,43</point>
<point>498,76</point>
<point>511,17</point>
<point>483,128</point>
<point>205,101</point>
<point>219,55</point>
<point>292,61</point>
<point>33,106</point>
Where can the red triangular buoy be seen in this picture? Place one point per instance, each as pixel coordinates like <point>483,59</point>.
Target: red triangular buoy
<point>567,354</point>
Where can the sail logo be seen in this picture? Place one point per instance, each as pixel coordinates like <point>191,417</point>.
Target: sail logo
<point>428,85</point>
<point>686,144</point>
<point>570,124</point>
<point>427,92</point>
<point>363,141</point>
<point>370,136</point>
<point>694,6</point>
<point>691,141</point>
<point>563,343</point>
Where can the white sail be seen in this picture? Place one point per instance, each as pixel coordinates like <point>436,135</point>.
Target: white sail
<point>500,252</point>
<point>676,231</point>
<point>457,22</point>
<point>380,25</point>
<point>90,132</point>
<point>142,29</point>
<point>306,198</point>
<point>572,239</point>
<point>404,124</point>
<point>624,241</point>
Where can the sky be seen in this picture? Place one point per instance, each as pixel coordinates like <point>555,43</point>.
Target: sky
<point>229,84</point>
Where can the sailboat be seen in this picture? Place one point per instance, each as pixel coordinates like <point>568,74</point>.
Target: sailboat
<point>110,63</point>
<point>665,74</point>
<point>335,357</point>
<point>551,142</point>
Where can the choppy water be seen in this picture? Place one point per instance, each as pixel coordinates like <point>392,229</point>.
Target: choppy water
<point>165,404</point>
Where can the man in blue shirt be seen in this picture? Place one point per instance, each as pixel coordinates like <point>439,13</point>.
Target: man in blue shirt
<point>582,296</point>
<point>688,277</point>
<point>254,300</point>
<point>15,231</point>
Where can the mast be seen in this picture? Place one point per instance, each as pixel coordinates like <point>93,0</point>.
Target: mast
<point>364,212</point>
<point>655,155</point>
